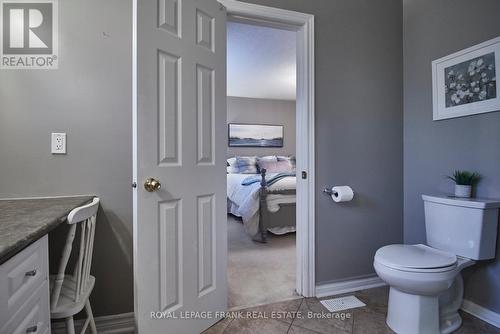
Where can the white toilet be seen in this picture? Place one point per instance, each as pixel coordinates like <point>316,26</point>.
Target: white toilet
<point>426,287</point>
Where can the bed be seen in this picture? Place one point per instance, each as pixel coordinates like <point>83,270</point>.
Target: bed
<point>268,204</point>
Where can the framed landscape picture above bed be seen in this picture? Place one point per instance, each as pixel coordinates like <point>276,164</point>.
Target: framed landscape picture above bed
<point>255,135</point>
<point>464,83</point>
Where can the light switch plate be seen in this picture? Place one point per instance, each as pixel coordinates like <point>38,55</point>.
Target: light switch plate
<point>58,143</point>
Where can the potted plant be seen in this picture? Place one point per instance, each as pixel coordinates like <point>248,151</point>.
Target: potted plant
<point>464,180</point>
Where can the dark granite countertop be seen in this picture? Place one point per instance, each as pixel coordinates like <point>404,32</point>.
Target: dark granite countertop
<point>25,220</point>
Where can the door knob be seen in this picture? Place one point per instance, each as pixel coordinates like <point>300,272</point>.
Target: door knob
<point>152,185</point>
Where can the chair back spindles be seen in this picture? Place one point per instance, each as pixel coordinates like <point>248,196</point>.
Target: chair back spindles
<point>85,256</point>
<point>78,267</point>
<point>85,218</point>
<point>62,266</point>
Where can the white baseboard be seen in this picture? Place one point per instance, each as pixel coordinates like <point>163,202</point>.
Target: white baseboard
<point>336,288</point>
<point>109,324</point>
<point>482,313</point>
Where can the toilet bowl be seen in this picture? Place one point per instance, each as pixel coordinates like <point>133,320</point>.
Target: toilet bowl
<point>425,288</point>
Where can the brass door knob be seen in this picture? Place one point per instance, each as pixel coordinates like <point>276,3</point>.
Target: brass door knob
<point>152,185</point>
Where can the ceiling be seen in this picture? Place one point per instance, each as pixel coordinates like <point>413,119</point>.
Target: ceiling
<point>261,62</point>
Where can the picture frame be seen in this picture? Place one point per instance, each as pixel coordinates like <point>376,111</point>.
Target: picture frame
<point>255,135</point>
<point>464,83</point>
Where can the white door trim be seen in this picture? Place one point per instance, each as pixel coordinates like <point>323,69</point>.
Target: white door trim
<point>304,25</point>
<point>134,152</point>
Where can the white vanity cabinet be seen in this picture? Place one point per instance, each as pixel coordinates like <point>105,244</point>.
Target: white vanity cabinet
<point>24,291</point>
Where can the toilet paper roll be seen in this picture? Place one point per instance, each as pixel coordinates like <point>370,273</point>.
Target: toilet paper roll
<point>342,194</point>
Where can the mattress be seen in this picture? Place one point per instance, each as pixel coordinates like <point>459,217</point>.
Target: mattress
<point>243,201</point>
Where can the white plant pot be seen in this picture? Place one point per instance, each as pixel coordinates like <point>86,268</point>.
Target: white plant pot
<point>463,191</point>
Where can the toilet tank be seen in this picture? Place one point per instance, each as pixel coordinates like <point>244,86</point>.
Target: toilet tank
<point>462,226</point>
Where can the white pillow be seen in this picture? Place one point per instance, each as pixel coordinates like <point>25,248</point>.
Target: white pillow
<point>231,161</point>
<point>231,170</point>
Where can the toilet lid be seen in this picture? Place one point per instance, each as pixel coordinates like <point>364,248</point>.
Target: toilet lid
<point>414,257</point>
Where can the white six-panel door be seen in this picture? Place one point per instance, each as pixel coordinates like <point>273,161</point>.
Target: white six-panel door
<point>180,230</point>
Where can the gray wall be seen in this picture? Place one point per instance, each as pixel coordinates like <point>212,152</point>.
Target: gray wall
<point>89,98</point>
<point>433,29</point>
<point>359,129</point>
<point>263,111</point>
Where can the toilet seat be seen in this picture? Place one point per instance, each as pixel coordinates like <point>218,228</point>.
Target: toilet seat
<point>415,258</point>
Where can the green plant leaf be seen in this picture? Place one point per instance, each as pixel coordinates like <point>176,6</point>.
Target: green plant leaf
<point>465,178</point>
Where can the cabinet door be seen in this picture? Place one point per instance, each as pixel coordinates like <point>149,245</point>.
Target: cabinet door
<point>33,316</point>
<point>20,279</point>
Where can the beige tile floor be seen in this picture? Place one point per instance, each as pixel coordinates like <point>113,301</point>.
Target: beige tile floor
<point>369,319</point>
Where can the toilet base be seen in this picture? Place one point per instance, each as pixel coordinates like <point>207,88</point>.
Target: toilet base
<point>412,314</point>
<point>450,323</point>
<point>449,304</point>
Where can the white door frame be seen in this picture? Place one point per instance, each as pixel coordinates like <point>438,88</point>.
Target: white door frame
<point>303,24</point>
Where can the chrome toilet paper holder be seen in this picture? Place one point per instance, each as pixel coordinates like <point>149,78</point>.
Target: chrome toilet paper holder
<point>330,192</point>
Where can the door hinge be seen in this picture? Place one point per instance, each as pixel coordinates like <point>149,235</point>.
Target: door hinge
<point>304,175</point>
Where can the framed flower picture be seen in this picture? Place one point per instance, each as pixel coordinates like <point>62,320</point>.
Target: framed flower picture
<point>465,83</point>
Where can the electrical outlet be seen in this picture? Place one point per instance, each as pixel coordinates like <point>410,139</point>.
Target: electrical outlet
<point>58,143</point>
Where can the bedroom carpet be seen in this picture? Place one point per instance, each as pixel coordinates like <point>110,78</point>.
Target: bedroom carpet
<point>259,273</point>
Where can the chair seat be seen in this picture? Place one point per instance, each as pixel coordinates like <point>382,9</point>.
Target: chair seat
<point>66,306</point>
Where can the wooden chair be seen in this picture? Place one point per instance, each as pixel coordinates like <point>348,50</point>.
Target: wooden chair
<point>69,294</point>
